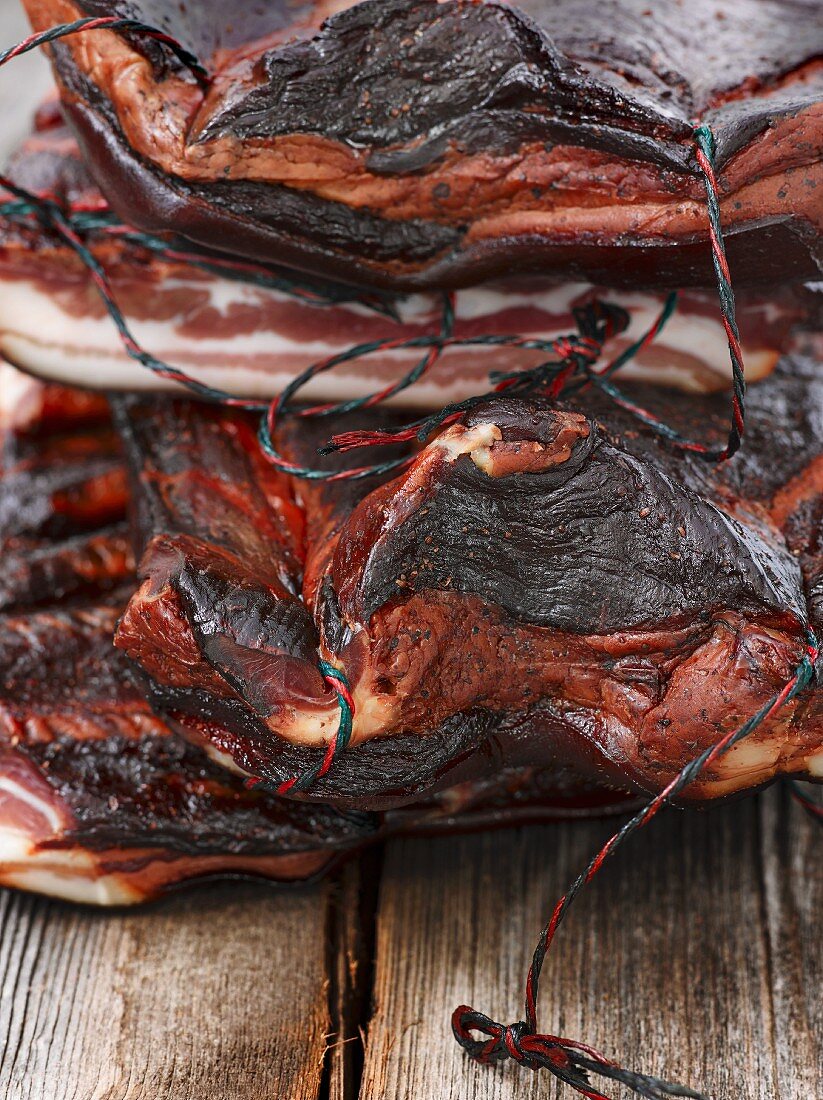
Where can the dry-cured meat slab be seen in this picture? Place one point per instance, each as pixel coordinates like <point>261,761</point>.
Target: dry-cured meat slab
<point>541,585</point>
<point>233,333</point>
<point>63,496</point>
<point>559,136</point>
<point>101,802</point>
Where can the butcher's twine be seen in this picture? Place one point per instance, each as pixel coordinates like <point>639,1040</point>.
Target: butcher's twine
<point>337,681</point>
<point>571,1061</point>
<point>572,365</point>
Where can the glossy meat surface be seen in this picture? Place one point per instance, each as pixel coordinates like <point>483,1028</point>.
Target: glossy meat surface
<point>250,339</point>
<point>366,148</point>
<point>63,496</point>
<point>540,586</point>
<point>101,802</point>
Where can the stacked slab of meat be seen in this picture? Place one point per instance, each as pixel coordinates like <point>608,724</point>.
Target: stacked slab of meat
<point>550,608</point>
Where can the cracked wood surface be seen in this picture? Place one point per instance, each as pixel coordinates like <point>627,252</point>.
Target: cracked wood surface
<point>219,992</point>
<point>696,956</point>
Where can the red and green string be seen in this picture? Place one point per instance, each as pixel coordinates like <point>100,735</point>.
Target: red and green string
<point>571,364</point>
<point>554,379</point>
<point>568,1060</point>
<point>109,23</point>
<point>337,681</point>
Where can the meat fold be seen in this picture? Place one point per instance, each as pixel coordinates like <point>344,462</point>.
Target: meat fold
<point>367,148</point>
<point>250,339</point>
<point>101,802</point>
<point>541,587</point>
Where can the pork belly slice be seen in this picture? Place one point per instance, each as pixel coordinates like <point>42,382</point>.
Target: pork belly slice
<point>251,340</point>
<point>541,587</point>
<point>101,802</point>
<point>367,148</point>
<point>63,497</point>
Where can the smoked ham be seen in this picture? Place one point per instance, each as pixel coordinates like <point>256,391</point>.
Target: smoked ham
<point>230,332</point>
<point>63,495</point>
<point>541,585</point>
<point>356,142</point>
<point>101,802</point>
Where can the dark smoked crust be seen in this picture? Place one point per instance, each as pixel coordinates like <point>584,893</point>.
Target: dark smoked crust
<point>394,772</point>
<point>632,94</point>
<point>600,543</point>
<point>41,572</point>
<point>662,564</point>
<point>123,777</point>
<point>63,497</point>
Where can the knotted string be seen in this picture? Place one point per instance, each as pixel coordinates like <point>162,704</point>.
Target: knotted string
<point>570,1061</point>
<point>53,217</point>
<point>597,322</point>
<point>553,380</point>
<point>575,353</point>
<point>336,679</point>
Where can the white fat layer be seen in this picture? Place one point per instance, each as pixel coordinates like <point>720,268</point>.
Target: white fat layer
<point>222,758</point>
<point>20,398</point>
<point>814,765</point>
<point>70,874</point>
<point>314,728</point>
<point>41,805</point>
<point>106,890</point>
<point>749,757</point>
<point>475,441</point>
<point>14,847</point>
<point>40,336</point>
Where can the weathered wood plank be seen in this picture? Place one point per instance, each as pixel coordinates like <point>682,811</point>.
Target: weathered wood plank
<point>793,885</point>
<point>351,950</point>
<point>664,964</point>
<point>220,992</point>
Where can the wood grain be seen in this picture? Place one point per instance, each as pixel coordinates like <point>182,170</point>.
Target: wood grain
<point>793,893</point>
<point>697,955</point>
<point>669,963</point>
<point>219,993</point>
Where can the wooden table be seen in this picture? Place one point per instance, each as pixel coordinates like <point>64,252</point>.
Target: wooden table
<point>696,956</point>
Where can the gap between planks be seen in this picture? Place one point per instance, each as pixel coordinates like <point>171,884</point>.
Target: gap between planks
<point>697,956</point>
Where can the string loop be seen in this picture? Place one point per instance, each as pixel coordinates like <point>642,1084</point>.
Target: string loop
<point>338,682</point>
<point>521,1042</point>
